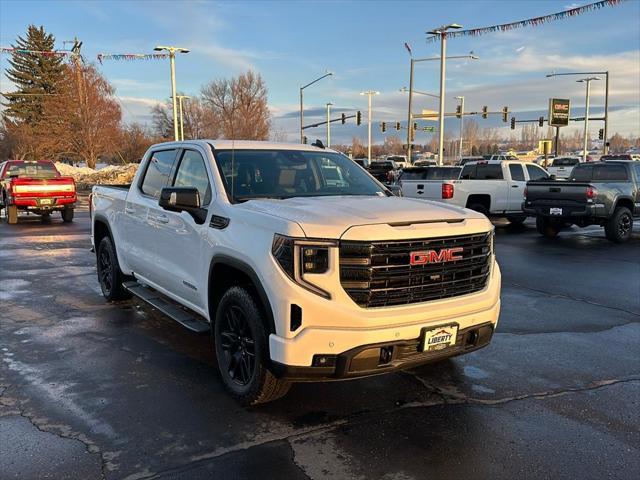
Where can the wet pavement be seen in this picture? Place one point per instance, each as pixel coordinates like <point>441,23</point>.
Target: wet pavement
<point>96,390</point>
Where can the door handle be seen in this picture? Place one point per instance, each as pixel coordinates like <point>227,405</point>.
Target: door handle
<point>162,219</point>
<point>514,186</point>
<point>420,192</point>
<point>129,210</point>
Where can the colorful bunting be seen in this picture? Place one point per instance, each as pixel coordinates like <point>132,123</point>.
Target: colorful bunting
<point>44,53</point>
<point>132,56</point>
<point>529,22</point>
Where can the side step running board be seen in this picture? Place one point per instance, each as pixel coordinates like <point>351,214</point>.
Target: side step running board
<point>171,309</point>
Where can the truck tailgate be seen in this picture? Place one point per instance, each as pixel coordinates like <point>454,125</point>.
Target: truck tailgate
<point>423,189</point>
<point>559,197</point>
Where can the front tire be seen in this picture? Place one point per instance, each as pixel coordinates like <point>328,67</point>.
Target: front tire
<point>67,215</point>
<point>546,228</point>
<point>241,348</point>
<point>619,227</point>
<point>109,274</point>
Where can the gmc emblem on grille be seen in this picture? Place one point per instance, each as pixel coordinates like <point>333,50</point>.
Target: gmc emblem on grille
<point>435,256</point>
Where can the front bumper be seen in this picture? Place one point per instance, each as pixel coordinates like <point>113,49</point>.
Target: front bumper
<point>379,358</point>
<point>342,331</point>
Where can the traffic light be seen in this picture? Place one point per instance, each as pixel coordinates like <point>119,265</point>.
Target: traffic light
<point>513,123</point>
<point>541,122</point>
<point>505,114</point>
<point>383,127</point>
<point>601,134</point>
<point>304,140</point>
<point>344,118</point>
<point>415,126</point>
<point>459,111</point>
<point>485,112</point>
<point>358,117</point>
<point>397,126</point>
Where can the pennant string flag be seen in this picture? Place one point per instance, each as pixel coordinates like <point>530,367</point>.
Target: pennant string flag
<point>505,27</point>
<point>44,53</point>
<point>131,56</point>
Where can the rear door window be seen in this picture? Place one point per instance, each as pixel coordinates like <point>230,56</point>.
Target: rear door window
<point>489,172</point>
<point>609,173</point>
<point>517,174</point>
<point>156,177</point>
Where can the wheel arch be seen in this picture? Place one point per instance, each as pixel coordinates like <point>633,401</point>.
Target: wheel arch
<point>232,271</point>
<point>623,202</point>
<point>483,199</point>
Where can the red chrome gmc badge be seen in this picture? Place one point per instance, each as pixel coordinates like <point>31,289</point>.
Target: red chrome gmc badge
<point>435,256</point>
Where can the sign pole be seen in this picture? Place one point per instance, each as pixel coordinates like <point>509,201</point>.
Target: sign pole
<point>557,147</point>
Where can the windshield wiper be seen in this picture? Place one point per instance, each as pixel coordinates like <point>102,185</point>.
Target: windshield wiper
<point>244,198</point>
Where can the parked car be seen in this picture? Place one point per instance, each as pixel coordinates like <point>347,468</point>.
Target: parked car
<point>540,160</point>
<point>493,188</point>
<point>602,193</point>
<point>425,163</point>
<point>465,160</point>
<point>385,171</point>
<point>296,279</point>
<point>501,157</point>
<point>426,182</point>
<point>399,160</point>
<point>619,156</point>
<point>36,187</point>
<point>561,167</point>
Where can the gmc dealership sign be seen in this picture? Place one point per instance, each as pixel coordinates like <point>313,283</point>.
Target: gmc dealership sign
<point>559,112</point>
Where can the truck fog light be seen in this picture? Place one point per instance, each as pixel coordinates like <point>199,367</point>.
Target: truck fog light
<point>324,361</point>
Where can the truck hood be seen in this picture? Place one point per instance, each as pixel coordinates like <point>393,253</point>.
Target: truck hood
<point>332,216</point>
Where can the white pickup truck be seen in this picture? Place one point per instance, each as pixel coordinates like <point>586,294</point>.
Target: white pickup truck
<point>493,188</point>
<point>298,278</point>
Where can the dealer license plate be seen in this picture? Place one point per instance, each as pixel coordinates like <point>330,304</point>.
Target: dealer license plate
<point>555,211</point>
<point>45,201</point>
<point>439,338</point>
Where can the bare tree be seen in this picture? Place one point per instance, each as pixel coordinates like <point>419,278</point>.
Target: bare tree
<point>240,104</point>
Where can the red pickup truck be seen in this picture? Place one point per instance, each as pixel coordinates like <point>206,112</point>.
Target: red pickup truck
<point>37,187</point>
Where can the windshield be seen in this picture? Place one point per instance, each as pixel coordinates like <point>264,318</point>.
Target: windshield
<point>31,170</point>
<point>283,174</point>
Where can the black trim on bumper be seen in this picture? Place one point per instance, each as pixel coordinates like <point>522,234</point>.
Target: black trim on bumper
<point>365,360</point>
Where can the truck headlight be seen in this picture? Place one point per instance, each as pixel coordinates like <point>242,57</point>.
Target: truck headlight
<point>302,258</point>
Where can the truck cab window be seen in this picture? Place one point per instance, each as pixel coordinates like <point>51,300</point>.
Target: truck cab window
<point>517,174</point>
<point>158,170</point>
<point>193,173</point>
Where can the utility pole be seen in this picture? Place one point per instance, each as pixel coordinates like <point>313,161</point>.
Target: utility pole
<point>461,123</point>
<point>329,125</point>
<point>409,116</point>
<point>588,81</point>
<point>369,93</point>
<point>172,61</point>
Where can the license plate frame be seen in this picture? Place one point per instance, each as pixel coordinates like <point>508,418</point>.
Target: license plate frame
<point>428,333</point>
<point>555,211</point>
<point>45,201</point>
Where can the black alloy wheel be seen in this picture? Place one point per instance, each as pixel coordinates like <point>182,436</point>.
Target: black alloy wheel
<point>105,271</point>
<point>110,276</point>
<point>624,225</point>
<point>238,345</point>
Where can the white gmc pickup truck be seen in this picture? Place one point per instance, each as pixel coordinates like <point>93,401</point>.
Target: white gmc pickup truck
<point>298,276</point>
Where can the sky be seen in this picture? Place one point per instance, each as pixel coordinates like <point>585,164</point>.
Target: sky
<point>290,43</point>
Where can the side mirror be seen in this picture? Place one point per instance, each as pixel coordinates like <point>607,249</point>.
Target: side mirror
<point>183,199</point>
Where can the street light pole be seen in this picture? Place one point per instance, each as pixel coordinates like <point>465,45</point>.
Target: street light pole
<point>588,81</point>
<point>329,125</point>
<point>172,61</point>
<point>409,116</point>
<point>461,120</point>
<point>180,98</point>
<point>302,105</point>
<point>443,64</point>
<point>369,93</point>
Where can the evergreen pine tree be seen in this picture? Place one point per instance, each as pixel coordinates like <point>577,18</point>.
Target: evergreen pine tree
<point>33,74</point>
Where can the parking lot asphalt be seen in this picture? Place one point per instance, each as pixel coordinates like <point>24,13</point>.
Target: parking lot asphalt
<point>96,390</point>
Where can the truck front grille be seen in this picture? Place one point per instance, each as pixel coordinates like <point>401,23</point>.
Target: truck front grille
<point>379,274</point>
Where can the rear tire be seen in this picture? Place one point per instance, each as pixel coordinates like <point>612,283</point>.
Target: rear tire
<point>67,215</point>
<point>45,217</point>
<point>241,348</point>
<point>546,228</point>
<point>480,208</point>
<point>109,274</point>
<point>619,227</point>
<point>12,214</point>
